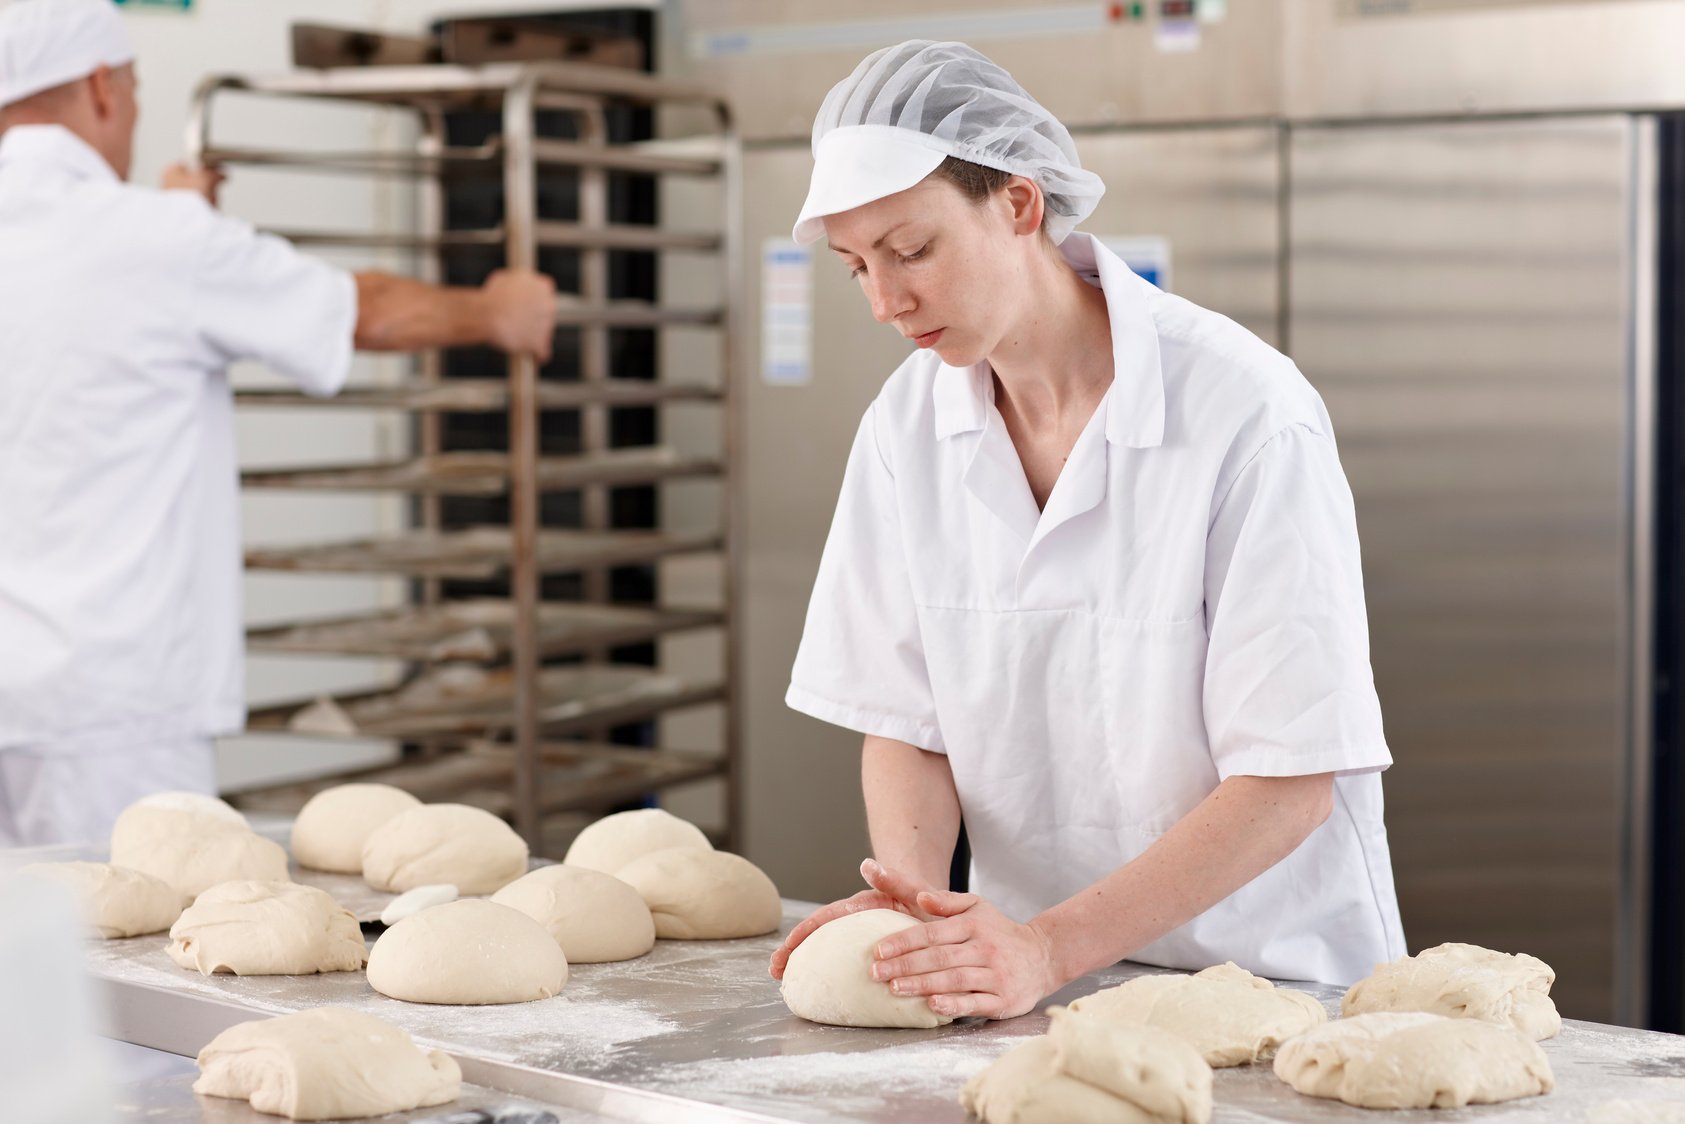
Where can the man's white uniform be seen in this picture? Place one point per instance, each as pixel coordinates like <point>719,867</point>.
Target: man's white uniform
<point>120,613</point>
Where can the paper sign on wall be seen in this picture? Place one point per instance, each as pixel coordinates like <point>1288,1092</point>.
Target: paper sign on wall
<point>786,313</point>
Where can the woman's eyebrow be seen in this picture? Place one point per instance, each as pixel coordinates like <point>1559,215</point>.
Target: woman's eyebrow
<point>838,249</point>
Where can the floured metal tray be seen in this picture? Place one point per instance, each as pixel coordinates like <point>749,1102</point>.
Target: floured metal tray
<point>480,552</point>
<point>489,395</point>
<point>486,474</point>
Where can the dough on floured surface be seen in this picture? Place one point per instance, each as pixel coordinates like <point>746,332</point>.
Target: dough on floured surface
<point>192,851</point>
<point>467,847</point>
<point>267,929</point>
<point>595,917</point>
<point>118,902</point>
<point>1410,1059</point>
<point>326,1064</point>
<point>212,806</point>
<point>1089,1071</point>
<point>613,842</point>
<point>1637,1112</point>
<point>1229,1015</point>
<point>829,976</point>
<point>708,895</point>
<point>333,825</point>
<point>471,952</point>
<point>1463,981</point>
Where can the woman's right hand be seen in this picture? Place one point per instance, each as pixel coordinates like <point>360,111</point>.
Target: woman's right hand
<point>864,900</point>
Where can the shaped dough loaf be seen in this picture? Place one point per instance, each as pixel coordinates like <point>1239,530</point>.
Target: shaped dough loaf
<point>267,929</point>
<point>193,851</point>
<point>1410,1059</point>
<point>118,902</point>
<point>326,1064</point>
<point>1229,1015</point>
<point>1463,981</point>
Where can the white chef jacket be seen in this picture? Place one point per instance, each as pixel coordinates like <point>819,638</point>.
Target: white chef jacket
<point>120,310</point>
<point>1187,607</point>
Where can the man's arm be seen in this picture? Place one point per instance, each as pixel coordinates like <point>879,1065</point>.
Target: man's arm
<point>515,311</point>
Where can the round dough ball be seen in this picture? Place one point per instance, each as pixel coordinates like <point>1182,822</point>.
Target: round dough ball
<point>595,917</point>
<point>326,1064</point>
<point>469,848</point>
<point>211,806</point>
<point>333,825</point>
<point>829,976</point>
<point>192,851</point>
<point>469,952</point>
<point>119,902</point>
<point>705,895</point>
<point>411,902</point>
<point>615,841</point>
<point>267,929</point>
<point>1088,1071</point>
<point>1414,1060</point>
<point>1229,1015</point>
<point>1463,981</point>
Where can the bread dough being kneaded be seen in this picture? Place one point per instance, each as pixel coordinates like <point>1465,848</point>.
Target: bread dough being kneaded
<point>326,1064</point>
<point>267,929</point>
<point>829,976</point>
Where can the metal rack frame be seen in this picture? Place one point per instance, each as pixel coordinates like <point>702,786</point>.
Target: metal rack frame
<point>525,701</point>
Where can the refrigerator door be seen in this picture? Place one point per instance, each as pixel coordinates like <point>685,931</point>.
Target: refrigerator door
<point>1460,294</point>
<point>1208,200</point>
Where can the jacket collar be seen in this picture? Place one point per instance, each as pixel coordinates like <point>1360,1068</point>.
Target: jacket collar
<point>1134,403</point>
<point>56,146</point>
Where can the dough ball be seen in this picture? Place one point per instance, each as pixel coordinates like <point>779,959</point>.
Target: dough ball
<point>1088,1071</point>
<point>470,952</point>
<point>325,1064</point>
<point>829,976</point>
<point>1463,981</point>
<point>196,802</point>
<point>267,929</point>
<point>192,851</point>
<point>595,917</point>
<point>1410,1059</point>
<point>333,825</point>
<point>707,895</point>
<point>469,848</point>
<point>1229,1015</point>
<point>615,841</point>
<point>411,902</point>
<point>119,902</point>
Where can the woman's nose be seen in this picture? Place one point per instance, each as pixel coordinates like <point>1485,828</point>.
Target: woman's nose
<point>887,300</point>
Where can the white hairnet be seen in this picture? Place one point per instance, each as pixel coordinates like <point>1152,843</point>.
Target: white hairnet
<point>46,43</point>
<point>907,107</point>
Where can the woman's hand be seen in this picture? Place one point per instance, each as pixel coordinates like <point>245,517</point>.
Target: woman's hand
<point>864,900</point>
<point>969,958</point>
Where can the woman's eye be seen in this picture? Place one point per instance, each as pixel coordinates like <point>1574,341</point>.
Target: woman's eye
<point>916,254</point>
<point>856,271</point>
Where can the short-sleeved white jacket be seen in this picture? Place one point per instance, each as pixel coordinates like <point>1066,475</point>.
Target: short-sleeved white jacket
<point>1187,607</point>
<point>120,310</point>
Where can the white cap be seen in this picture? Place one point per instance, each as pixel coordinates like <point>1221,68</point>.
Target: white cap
<point>907,108</point>
<point>46,43</point>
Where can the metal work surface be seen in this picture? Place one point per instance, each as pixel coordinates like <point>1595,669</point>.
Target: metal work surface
<point>172,1101</point>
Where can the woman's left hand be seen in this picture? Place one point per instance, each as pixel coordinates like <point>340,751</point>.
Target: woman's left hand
<point>971,960</point>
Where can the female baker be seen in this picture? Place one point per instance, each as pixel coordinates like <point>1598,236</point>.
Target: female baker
<point>1092,584</point>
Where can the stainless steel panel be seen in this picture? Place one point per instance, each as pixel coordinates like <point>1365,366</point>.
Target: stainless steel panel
<point>1459,295</point>
<point>1441,57</point>
<point>1212,193</point>
<point>1085,62</point>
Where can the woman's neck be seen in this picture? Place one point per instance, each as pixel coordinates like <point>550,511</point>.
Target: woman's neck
<point>1054,363</point>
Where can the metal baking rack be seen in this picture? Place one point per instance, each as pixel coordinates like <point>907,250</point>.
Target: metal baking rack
<point>492,722</point>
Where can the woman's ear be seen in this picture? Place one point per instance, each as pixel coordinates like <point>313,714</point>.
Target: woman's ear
<point>1027,202</point>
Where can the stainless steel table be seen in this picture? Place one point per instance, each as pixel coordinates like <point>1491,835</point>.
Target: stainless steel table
<point>696,1031</point>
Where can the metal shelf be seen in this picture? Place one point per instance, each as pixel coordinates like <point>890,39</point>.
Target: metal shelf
<point>485,159</point>
<point>486,474</point>
<point>573,776</point>
<point>483,552</point>
<point>563,235</point>
<point>489,395</point>
<point>476,630</point>
<point>460,700</point>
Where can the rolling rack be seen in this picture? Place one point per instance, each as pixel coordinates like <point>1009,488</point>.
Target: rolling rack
<point>493,715</point>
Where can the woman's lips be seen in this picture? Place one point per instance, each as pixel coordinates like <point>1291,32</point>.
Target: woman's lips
<point>929,338</point>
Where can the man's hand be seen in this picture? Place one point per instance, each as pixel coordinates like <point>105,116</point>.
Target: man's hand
<point>864,900</point>
<point>521,307</point>
<point>202,181</point>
